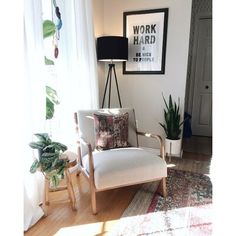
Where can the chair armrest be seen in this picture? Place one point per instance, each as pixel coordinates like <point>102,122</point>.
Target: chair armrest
<point>89,146</point>
<point>159,138</point>
<point>90,156</point>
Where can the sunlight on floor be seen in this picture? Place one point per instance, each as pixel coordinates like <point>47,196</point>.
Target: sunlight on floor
<point>182,220</point>
<point>191,220</point>
<point>170,165</point>
<point>99,228</point>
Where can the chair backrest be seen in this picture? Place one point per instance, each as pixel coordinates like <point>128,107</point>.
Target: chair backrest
<point>86,125</point>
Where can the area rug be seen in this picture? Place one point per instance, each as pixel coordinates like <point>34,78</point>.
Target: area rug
<point>186,210</point>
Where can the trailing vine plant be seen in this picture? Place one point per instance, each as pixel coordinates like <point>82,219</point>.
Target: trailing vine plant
<point>50,29</point>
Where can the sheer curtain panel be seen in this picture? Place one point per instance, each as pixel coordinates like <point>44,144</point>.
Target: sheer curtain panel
<point>77,85</point>
<point>35,107</point>
<point>76,66</point>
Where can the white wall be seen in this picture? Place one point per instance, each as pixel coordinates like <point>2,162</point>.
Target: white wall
<point>98,18</point>
<point>143,92</point>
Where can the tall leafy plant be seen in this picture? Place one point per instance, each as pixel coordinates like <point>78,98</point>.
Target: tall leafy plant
<point>172,125</point>
<point>49,161</point>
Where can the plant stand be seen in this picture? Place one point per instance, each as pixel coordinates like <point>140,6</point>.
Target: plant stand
<point>173,148</point>
<point>68,186</point>
<point>169,155</point>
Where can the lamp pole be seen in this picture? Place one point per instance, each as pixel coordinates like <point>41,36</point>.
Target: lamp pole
<point>109,78</point>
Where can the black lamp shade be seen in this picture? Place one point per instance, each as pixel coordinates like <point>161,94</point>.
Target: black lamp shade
<point>112,48</point>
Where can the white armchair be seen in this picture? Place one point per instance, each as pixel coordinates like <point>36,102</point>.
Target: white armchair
<point>117,167</point>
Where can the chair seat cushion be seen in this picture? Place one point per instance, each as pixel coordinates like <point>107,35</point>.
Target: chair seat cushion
<point>125,166</point>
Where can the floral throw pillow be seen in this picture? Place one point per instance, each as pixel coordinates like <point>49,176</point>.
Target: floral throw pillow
<point>111,131</point>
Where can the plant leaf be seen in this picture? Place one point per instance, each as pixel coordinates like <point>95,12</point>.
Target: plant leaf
<point>48,61</point>
<point>170,102</point>
<point>48,155</point>
<point>34,166</point>
<point>44,137</point>
<point>60,171</point>
<point>54,180</point>
<point>52,95</point>
<point>36,145</point>
<point>164,127</point>
<point>49,28</point>
<point>165,102</point>
<point>49,109</point>
<point>59,146</point>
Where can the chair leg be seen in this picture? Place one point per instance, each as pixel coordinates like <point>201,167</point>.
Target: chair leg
<point>162,187</point>
<point>93,199</point>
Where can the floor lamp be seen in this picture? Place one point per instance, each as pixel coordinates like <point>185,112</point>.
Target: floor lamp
<point>112,49</point>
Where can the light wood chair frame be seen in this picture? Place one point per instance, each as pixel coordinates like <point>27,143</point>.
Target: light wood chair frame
<point>90,176</point>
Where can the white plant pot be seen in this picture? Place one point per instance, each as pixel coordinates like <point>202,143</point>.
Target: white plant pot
<point>173,147</point>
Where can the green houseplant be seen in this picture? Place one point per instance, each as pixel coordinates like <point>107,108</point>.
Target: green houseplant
<point>172,124</point>
<point>172,127</point>
<point>49,161</point>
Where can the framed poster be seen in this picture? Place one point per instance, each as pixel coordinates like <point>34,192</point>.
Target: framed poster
<point>146,32</point>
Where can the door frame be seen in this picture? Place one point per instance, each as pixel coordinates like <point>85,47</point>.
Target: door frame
<point>190,91</point>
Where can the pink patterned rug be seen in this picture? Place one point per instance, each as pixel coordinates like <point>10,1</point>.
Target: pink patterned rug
<point>185,212</point>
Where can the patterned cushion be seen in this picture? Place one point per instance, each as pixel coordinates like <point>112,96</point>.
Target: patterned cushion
<point>111,131</point>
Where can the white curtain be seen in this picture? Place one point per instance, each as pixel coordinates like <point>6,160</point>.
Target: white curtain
<point>35,107</point>
<point>77,85</point>
<point>76,67</point>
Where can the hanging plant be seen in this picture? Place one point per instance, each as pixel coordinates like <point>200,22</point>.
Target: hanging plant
<point>50,29</point>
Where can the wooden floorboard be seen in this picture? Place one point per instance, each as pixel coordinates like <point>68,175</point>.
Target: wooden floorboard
<point>61,220</point>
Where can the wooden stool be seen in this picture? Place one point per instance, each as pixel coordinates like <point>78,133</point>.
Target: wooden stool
<point>72,157</point>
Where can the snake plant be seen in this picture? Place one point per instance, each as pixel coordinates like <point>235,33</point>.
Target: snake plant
<point>49,161</point>
<point>172,123</point>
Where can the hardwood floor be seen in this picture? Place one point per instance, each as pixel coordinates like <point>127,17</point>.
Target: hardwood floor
<point>198,144</point>
<point>61,220</point>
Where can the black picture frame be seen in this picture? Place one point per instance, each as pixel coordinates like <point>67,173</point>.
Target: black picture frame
<point>146,31</point>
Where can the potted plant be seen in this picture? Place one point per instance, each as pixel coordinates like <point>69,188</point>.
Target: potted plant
<point>172,127</point>
<point>50,161</point>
